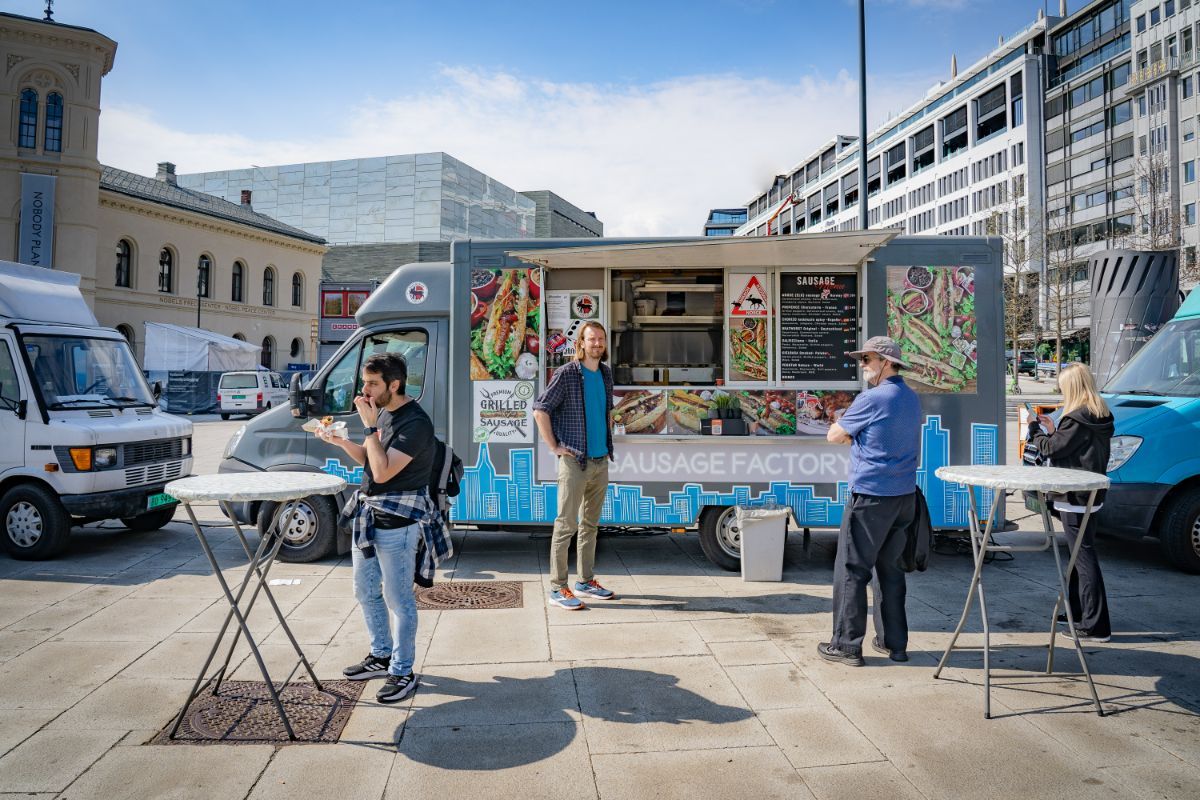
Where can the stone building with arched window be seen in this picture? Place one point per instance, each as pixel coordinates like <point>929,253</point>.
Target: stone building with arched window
<point>147,249</point>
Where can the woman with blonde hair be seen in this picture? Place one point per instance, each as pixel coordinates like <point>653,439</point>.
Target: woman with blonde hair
<point>1080,441</point>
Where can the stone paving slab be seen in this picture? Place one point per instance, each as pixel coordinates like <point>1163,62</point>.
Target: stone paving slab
<point>349,773</point>
<point>728,774</point>
<point>172,772</point>
<point>51,759</point>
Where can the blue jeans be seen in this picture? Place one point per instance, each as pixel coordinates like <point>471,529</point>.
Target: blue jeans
<point>385,583</point>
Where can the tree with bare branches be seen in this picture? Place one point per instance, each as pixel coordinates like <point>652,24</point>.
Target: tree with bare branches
<point>1018,237</point>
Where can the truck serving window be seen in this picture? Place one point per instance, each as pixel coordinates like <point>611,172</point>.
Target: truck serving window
<point>345,379</point>
<point>1169,364</point>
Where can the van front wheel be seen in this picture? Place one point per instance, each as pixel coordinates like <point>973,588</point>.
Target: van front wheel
<point>311,532</point>
<point>36,526</point>
<point>1180,537</point>
<point>720,537</point>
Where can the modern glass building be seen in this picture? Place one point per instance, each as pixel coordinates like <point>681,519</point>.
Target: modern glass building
<point>403,198</point>
<point>724,221</point>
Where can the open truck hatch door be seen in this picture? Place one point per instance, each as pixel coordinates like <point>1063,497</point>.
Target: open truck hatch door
<point>800,250</point>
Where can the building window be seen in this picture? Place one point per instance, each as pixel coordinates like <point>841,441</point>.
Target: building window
<point>166,270</point>
<point>268,287</point>
<point>241,337</point>
<point>297,289</point>
<point>1155,16</point>
<point>238,279</point>
<point>1189,171</point>
<point>268,352</point>
<point>27,134</point>
<point>203,276</point>
<point>1185,87</point>
<point>1141,23</point>
<point>54,122</point>
<point>1189,214</point>
<point>127,332</point>
<point>1169,8</point>
<point>297,351</point>
<point>124,257</point>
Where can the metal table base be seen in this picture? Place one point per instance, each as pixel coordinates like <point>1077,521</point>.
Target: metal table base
<point>981,545</point>
<point>261,560</point>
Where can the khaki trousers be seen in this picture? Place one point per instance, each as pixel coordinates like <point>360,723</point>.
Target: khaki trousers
<point>580,499</point>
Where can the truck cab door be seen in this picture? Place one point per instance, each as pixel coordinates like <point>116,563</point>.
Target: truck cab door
<point>13,406</point>
<point>417,342</point>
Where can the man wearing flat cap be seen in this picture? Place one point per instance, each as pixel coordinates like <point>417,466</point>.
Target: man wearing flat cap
<point>883,428</point>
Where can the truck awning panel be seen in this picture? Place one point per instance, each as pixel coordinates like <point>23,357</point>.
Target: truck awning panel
<point>801,250</point>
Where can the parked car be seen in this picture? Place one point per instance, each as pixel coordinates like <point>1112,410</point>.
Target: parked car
<point>250,393</point>
<point>1027,366</point>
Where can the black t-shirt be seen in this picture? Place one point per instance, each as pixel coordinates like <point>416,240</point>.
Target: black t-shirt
<point>409,430</point>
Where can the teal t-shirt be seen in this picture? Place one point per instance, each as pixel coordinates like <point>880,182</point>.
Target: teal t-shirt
<point>595,412</point>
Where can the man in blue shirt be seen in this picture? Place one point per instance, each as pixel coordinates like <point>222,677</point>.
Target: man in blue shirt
<point>883,428</point>
<point>574,418</point>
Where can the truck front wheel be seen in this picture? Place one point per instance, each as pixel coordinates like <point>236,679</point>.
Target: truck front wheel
<point>720,537</point>
<point>311,532</point>
<point>36,526</point>
<point>1180,536</point>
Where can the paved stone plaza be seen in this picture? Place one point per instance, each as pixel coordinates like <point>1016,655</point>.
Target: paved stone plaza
<point>691,684</point>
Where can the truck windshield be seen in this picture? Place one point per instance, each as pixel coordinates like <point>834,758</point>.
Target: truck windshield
<point>1169,364</point>
<point>85,372</point>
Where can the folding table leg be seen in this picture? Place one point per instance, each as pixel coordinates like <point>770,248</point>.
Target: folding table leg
<point>233,603</point>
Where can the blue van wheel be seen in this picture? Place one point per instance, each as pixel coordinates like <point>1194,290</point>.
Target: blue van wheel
<point>1180,537</point>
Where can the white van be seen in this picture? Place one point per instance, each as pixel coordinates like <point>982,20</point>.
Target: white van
<point>250,393</point>
<point>83,437</point>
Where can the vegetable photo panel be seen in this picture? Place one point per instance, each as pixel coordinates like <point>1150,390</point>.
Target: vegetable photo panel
<point>931,313</point>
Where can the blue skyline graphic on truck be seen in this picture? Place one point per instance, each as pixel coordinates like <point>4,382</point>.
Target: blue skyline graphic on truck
<point>516,497</point>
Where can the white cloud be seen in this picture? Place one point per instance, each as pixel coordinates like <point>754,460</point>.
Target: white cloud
<point>648,159</point>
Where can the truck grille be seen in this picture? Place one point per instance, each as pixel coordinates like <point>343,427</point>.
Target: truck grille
<point>153,473</point>
<point>153,450</point>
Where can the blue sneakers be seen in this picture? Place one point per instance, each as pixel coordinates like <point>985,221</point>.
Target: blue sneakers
<point>594,590</point>
<point>565,599</point>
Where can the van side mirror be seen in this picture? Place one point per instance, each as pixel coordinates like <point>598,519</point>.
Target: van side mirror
<point>298,397</point>
<point>156,390</point>
<point>22,408</point>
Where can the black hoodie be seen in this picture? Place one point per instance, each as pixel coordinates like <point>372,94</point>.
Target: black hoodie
<point>1081,441</point>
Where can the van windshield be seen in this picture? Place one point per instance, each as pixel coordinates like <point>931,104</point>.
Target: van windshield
<point>1169,364</point>
<point>84,372</point>
<point>239,380</point>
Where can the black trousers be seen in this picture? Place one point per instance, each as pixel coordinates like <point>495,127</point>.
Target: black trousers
<point>872,539</point>
<point>1085,592</point>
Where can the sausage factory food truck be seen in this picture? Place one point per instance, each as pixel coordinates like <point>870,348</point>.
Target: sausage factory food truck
<point>728,359</point>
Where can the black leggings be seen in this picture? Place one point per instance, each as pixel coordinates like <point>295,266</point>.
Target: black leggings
<point>1089,603</point>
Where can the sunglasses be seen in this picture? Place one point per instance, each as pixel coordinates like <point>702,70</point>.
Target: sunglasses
<point>866,359</point>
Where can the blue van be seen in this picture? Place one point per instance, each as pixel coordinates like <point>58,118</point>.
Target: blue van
<point>1155,462</point>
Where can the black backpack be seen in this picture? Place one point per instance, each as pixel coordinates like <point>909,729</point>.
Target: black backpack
<point>445,481</point>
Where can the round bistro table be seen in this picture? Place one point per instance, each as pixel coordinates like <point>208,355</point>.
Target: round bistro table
<point>1042,481</point>
<point>286,489</point>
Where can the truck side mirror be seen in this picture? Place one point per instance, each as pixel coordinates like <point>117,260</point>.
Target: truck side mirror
<point>22,408</point>
<point>298,397</point>
<point>156,390</point>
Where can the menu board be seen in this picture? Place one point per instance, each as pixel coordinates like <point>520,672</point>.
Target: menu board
<point>818,321</point>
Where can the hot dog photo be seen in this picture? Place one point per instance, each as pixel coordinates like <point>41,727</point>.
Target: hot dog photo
<point>640,411</point>
<point>687,409</point>
<point>505,324</point>
<point>931,313</point>
<point>748,349</point>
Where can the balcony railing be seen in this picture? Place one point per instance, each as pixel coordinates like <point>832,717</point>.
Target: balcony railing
<point>1161,69</point>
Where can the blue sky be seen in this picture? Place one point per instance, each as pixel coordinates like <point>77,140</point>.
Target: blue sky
<point>648,113</point>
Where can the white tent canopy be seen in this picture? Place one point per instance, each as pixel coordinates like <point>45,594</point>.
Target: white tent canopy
<point>174,347</point>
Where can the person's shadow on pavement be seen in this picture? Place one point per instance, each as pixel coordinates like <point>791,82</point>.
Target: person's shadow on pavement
<point>607,693</point>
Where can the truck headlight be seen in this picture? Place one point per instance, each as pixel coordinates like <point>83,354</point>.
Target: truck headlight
<point>187,446</point>
<point>104,457</point>
<point>1121,450</point>
<point>232,444</point>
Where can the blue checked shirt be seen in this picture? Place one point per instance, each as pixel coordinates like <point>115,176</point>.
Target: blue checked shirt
<point>563,401</point>
<point>415,505</point>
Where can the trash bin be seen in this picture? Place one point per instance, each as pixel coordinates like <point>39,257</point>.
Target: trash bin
<point>763,532</point>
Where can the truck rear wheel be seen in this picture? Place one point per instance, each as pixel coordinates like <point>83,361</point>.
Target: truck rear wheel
<point>151,520</point>
<point>1180,536</point>
<point>720,537</point>
<point>36,526</point>
<point>310,534</point>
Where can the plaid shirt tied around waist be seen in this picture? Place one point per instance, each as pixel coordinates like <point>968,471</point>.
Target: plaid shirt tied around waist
<point>415,505</point>
<point>563,401</point>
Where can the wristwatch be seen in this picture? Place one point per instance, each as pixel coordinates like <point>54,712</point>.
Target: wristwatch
<point>371,431</point>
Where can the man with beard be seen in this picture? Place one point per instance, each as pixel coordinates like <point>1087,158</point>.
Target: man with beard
<point>883,428</point>
<point>574,418</point>
<point>390,513</point>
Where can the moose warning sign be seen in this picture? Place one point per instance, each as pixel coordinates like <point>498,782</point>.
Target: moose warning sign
<point>748,296</point>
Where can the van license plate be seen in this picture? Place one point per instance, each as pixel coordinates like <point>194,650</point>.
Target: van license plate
<point>239,397</point>
<point>160,499</point>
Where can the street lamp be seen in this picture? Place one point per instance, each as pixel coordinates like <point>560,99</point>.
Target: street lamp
<point>862,115</point>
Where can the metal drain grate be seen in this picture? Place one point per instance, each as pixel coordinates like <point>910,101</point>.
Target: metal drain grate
<point>245,714</point>
<point>469,595</point>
